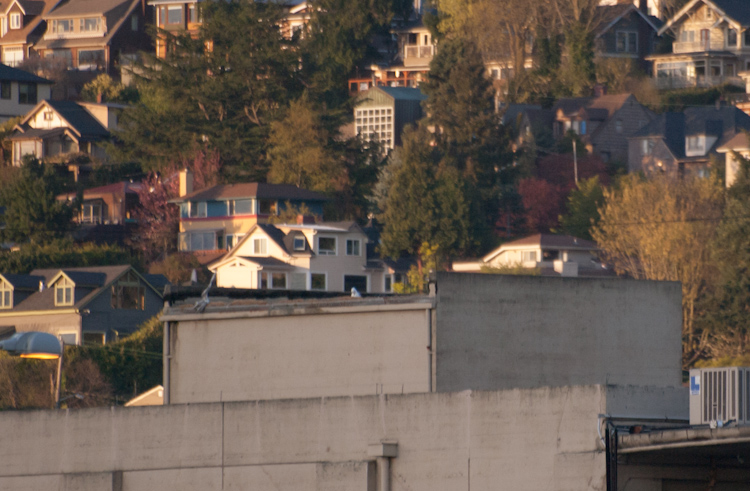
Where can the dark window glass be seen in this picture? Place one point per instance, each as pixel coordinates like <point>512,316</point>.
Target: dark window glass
<point>5,90</point>
<point>26,93</point>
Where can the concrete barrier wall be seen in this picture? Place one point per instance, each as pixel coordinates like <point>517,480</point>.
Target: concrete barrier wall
<point>540,439</point>
<point>499,332</point>
<point>318,354</point>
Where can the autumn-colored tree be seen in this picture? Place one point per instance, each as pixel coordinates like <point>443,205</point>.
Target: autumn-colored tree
<point>663,229</point>
<point>157,218</point>
<point>542,203</point>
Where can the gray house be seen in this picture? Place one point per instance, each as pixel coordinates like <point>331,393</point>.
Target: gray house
<point>626,32</point>
<point>81,305</point>
<point>680,144</point>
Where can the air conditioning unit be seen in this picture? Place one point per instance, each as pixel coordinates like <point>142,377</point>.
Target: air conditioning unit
<point>719,396</point>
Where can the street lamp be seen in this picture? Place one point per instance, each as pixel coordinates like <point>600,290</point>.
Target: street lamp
<point>38,346</point>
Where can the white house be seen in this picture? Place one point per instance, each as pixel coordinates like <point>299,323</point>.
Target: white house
<point>552,254</point>
<point>329,256</point>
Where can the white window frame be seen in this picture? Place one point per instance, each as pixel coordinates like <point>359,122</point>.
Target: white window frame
<point>15,20</point>
<point>529,256</point>
<point>260,246</point>
<point>328,252</point>
<point>299,244</point>
<point>65,288</point>
<point>6,295</point>
<point>353,243</point>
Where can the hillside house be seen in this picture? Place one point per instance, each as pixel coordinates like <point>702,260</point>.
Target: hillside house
<point>552,255</point>
<point>22,24</point>
<point>626,32</point>
<point>711,44</point>
<point>92,35</point>
<point>680,144</point>
<point>20,91</point>
<point>217,218</point>
<point>327,256</point>
<point>604,122</point>
<point>58,128</point>
<point>81,305</point>
<point>382,113</point>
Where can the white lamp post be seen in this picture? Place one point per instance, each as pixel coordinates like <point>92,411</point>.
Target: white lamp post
<point>39,346</point>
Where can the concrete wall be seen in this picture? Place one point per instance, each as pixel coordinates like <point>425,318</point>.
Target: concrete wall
<point>278,353</point>
<point>498,332</point>
<point>536,440</point>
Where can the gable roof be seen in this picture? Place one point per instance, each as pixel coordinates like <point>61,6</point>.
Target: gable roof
<point>122,187</point>
<point>78,119</point>
<point>32,29</point>
<point>22,281</point>
<point>602,106</point>
<point>115,13</point>
<point>611,15</point>
<point>257,190</point>
<point>735,11</point>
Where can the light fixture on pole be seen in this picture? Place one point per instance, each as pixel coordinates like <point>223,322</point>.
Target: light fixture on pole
<point>38,346</point>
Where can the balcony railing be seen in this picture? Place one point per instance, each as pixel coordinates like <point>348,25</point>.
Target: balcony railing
<point>418,55</point>
<point>698,46</point>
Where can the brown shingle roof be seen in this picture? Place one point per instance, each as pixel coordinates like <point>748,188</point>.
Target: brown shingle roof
<point>31,30</point>
<point>252,190</point>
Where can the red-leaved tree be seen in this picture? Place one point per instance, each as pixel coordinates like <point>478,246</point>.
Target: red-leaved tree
<point>158,219</point>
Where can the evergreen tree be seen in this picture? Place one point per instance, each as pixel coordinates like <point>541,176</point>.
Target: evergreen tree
<point>219,91</point>
<point>32,211</point>
<point>583,208</point>
<point>426,203</point>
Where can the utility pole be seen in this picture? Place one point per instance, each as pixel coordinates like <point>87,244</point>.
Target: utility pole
<point>575,162</point>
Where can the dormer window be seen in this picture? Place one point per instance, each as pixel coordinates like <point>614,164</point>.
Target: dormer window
<point>299,243</point>
<point>15,20</point>
<point>6,295</point>
<point>64,292</point>
<point>91,24</point>
<point>696,144</point>
<point>62,26</point>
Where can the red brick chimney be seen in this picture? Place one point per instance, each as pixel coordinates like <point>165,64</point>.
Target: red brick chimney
<point>305,220</point>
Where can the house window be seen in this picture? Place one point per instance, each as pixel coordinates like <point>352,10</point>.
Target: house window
<point>747,37</point>
<point>91,213</point>
<point>134,23</point>
<point>239,207</point>
<point>64,292</point>
<point>731,38</point>
<point>299,243</point>
<point>695,143</point>
<point>260,246</point>
<point>709,13</point>
<point>6,295</point>
<point>128,293</point>
<point>528,256</point>
<point>91,24</point>
<point>4,90</point>
<point>91,59</point>
<point>327,246</point>
<point>352,247</point>
<point>627,42</point>
<point>48,115</point>
<point>647,147</point>
<point>729,71</point>
<point>197,241</point>
<point>15,21</point>
<point>271,280</point>
<point>618,126</point>
<point>60,26</point>
<point>375,124</point>
<point>198,210</point>
<point>355,281</point>
<point>318,281</point>
<point>26,93</point>
<point>192,13</point>
<point>174,15</point>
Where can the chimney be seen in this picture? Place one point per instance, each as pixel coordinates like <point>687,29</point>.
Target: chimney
<point>643,6</point>
<point>186,182</point>
<point>99,97</point>
<point>600,90</point>
<point>305,220</point>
